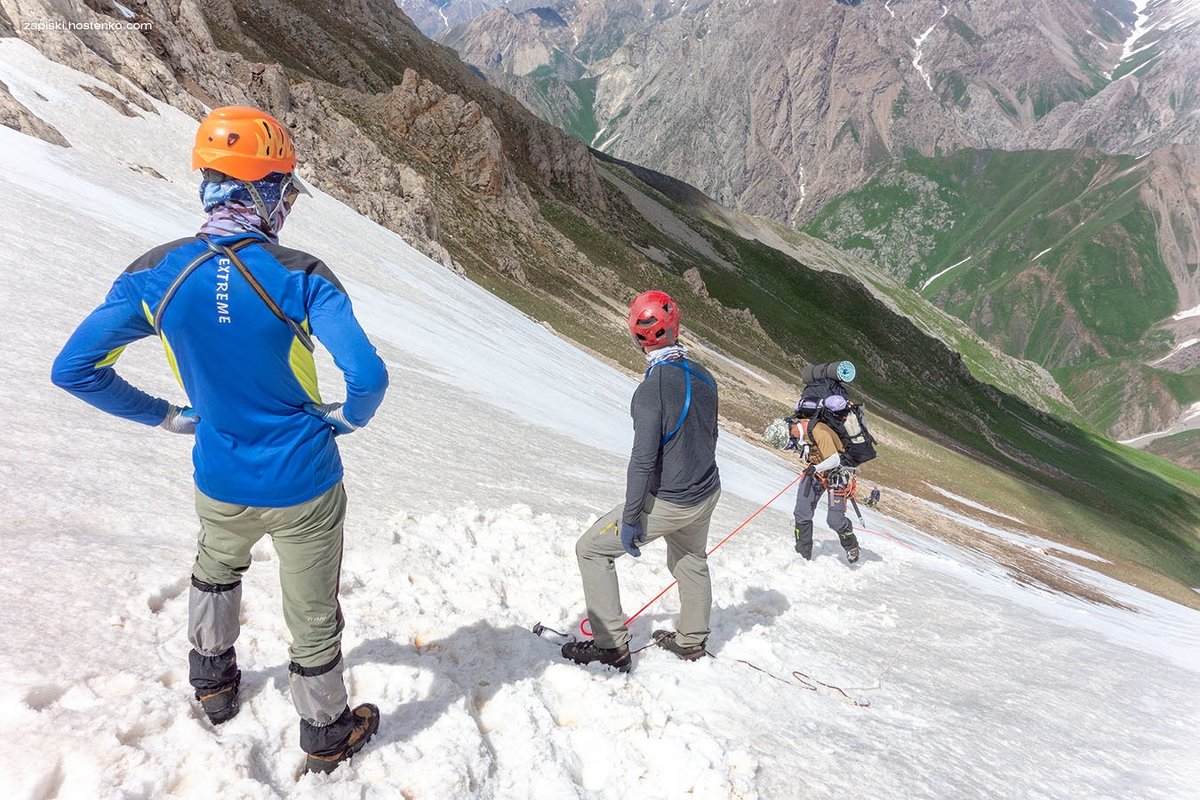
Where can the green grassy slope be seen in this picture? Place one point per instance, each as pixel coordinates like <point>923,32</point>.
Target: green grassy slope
<point>1107,391</point>
<point>987,363</point>
<point>1051,256</point>
<point>1182,448</point>
<point>1064,265</point>
<point>814,315</point>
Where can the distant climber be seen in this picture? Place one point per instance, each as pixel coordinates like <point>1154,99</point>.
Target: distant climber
<point>831,433</point>
<point>825,472</point>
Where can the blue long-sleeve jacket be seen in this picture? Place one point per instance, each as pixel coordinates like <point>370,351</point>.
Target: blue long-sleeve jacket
<point>243,369</point>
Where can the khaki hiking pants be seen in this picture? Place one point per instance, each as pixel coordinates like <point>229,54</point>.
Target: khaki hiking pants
<point>308,543</point>
<point>686,530</point>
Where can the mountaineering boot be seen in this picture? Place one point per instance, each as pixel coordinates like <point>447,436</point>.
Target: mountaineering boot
<point>587,652</point>
<point>804,542</point>
<point>221,705</point>
<point>365,721</point>
<point>850,544</point>
<point>666,640</point>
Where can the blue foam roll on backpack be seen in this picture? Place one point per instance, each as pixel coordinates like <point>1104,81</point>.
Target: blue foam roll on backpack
<point>820,381</point>
<point>834,370</point>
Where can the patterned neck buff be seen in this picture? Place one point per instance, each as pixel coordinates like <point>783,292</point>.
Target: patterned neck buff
<point>235,206</point>
<point>674,352</point>
<point>232,218</point>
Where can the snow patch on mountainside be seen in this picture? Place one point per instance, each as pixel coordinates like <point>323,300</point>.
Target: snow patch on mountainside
<point>1140,27</point>
<point>971,503</point>
<point>1156,17</point>
<point>933,278</point>
<point>919,42</point>
<point>1179,348</point>
<point>1191,312</point>
<point>1187,421</point>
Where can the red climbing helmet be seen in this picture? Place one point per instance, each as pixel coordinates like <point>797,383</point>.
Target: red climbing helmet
<point>654,319</point>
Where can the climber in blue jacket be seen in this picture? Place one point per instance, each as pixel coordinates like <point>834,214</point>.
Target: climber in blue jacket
<point>237,314</point>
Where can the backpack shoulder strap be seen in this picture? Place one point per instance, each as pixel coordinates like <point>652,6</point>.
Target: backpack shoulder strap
<point>809,439</point>
<point>687,398</point>
<point>229,252</point>
<point>186,273</point>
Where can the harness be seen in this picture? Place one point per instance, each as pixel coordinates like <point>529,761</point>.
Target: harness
<point>687,398</point>
<point>230,252</point>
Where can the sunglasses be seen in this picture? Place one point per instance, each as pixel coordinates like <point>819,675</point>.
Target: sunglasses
<point>290,185</point>
<point>290,188</point>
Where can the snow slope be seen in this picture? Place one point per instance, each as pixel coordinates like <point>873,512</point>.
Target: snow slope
<point>497,445</point>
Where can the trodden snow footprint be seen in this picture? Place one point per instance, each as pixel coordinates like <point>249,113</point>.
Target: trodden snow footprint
<point>42,697</point>
<point>158,601</point>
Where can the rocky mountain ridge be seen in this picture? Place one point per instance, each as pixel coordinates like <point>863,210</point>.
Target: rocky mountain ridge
<point>826,92</point>
<point>778,109</point>
<point>436,16</point>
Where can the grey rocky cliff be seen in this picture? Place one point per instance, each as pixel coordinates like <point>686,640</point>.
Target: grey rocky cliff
<point>369,130</point>
<point>774,108</point>
<point>16,116</point>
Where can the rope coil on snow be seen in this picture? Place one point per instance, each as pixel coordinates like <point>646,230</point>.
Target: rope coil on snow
<point>812,684</point>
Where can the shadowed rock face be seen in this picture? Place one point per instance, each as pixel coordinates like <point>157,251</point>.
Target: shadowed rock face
<point>19,118</point>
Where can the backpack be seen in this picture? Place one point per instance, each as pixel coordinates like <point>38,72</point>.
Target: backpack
<point>821,381</point>
<point>858,441</point>
<point>825,380</point>
<point>814,393</point>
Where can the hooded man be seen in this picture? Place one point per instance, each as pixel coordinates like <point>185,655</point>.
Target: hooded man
<point>236,313</point>
<point>672,487</point>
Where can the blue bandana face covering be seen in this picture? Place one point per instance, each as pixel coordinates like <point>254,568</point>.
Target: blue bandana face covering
<point>236,206</point>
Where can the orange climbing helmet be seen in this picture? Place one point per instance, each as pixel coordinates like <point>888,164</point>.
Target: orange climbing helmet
<point>244,143</point>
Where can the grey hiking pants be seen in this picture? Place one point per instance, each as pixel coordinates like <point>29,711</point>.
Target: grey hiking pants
<point>686,530</point>
<point>308,543</point>
<point>807,497</point>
